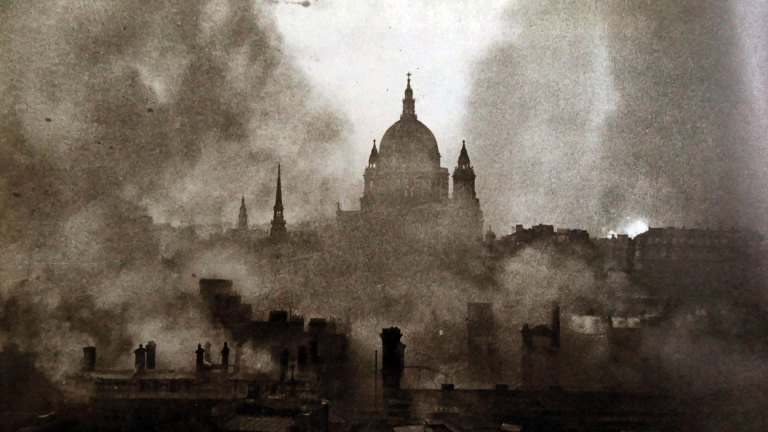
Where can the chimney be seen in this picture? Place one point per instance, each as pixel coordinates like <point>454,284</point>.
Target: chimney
<point>199,359</point>
<point>556,325</point>
<point>392,357</point>
<point>151,355</point>
<point>527,338</point>
<point>89,359</point>
<point>207,355</point>
<point>140,362</point>
<point>225,357</point>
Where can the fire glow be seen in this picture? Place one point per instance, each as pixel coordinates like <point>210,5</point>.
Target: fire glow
<point>636,227</point>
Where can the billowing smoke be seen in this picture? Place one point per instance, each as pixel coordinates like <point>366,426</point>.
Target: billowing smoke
<point>111,113</point>
<point>114,115</point>
<point>597,113</point>
<point>422,289</point>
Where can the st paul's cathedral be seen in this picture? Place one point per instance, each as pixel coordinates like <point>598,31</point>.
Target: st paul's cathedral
<point>406,192</point>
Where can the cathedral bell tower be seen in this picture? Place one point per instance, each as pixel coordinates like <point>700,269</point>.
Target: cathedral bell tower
<point>370,176</point>
<point>465,203</point>
<point>464,178</point>
<point>278,232</point>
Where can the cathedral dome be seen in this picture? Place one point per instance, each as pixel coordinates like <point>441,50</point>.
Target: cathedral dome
<point>408,142</point>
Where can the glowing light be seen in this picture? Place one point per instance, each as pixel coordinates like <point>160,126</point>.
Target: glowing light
<point>637,226</point>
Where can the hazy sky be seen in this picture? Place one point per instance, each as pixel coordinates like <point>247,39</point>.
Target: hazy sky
<point>580,113</point>
<point>357,55</point>
<point>585,114</point>
<point>577,113</point>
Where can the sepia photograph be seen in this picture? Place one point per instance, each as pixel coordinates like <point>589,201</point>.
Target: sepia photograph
<point>370,216</point>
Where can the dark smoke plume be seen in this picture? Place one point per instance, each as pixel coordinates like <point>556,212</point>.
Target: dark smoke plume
<point>596,112</point>
<point>114,114</point>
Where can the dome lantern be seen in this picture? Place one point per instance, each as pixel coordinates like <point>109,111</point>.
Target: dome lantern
<point>409,143</point>
<point>409,103</point>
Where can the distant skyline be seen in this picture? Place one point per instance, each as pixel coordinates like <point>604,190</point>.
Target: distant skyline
<point>572,92</point>
<point>357,55</point>
<point>584,114</point>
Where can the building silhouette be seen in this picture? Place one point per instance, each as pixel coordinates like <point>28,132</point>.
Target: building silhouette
<point>466,205</point>
<point>317,347</point>
<point>540,365</point>
<point>392,358</point>
<point>242,232</point>
<point>685,261</point>
<point>406,191</point>
<point>482,341</point>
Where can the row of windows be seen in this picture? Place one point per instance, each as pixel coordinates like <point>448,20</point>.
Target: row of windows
<point>411,190</point>
<point>688,240</point>
<point>676,254</point>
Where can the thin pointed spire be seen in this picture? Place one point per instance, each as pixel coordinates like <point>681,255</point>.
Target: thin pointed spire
<point>279,192</point>
<point>278,231</point>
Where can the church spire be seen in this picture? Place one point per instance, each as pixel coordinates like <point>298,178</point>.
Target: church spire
<point>279,193</point>
<point>242,218</point>
<point>409,103</point>
<point>278,231</point>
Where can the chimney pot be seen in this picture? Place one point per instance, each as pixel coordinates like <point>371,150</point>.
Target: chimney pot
<point>140,361</point>
<point>151,355</point>
<point>199,358</point>
<point>89,358</point>
<point>225,357</point>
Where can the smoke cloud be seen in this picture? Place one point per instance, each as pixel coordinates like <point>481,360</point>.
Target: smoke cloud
<point>598,113</point>
<point>116,116</point>
<point>113,117</point>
